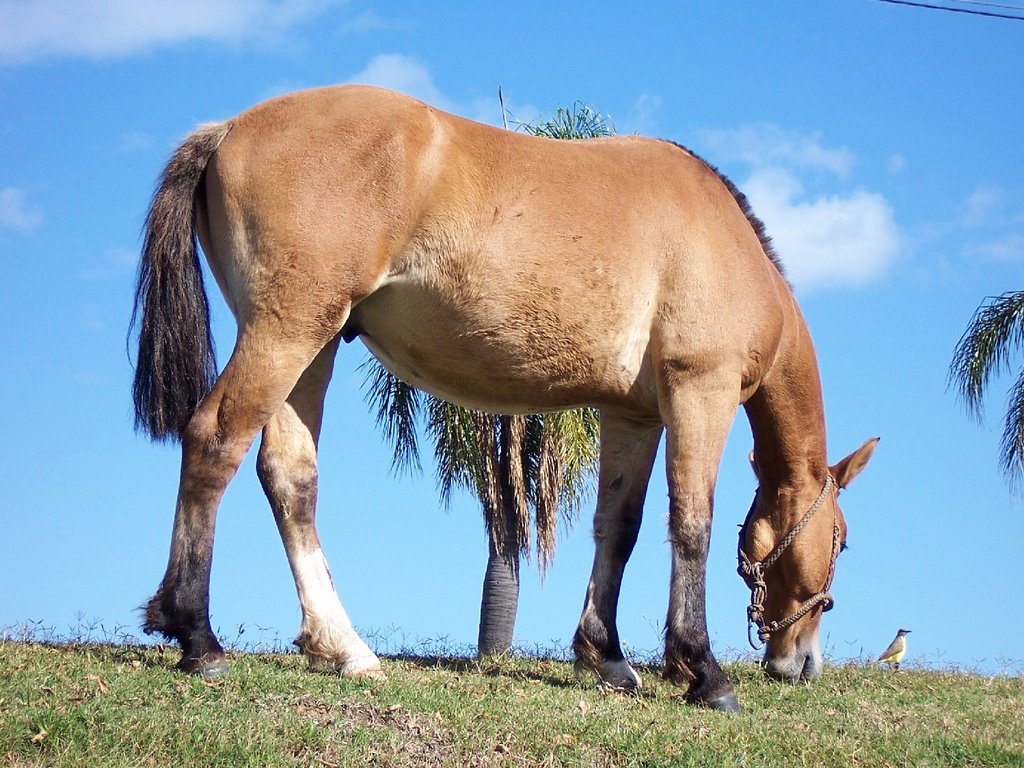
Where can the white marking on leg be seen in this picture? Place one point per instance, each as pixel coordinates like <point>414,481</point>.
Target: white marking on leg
<point>327,637</point>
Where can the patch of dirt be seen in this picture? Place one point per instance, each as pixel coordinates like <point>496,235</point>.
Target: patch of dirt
<point>402,738</point>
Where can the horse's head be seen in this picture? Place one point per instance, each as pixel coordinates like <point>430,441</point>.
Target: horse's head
<point>787,555</point>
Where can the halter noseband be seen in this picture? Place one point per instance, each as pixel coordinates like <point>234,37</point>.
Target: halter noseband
<point>753,573</point>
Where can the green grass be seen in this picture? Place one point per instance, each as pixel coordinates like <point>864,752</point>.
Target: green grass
<point>123,705</point>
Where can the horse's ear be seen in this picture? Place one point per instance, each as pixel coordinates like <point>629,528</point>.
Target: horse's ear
<point>844,471</point>
<point>753,464</point>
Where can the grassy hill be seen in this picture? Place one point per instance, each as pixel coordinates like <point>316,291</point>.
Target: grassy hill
<point>122,705</point>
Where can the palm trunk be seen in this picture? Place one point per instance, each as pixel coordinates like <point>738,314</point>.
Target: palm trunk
<point>499,603</point>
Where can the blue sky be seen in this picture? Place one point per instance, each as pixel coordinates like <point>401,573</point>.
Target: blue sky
<point>881,145</point>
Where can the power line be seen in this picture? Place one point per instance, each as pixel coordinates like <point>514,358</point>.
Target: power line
<point>988,5</point>
<point>968,11</point>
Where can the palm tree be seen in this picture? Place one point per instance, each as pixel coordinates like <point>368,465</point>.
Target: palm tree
<point>514,465</point>
<point>996,329</point>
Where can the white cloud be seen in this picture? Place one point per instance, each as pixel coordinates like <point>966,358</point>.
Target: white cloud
<point>983,206</point>
<point>896,164</point>
<point>134,140</point>
<point>765,144</point>
<point>992,222</point>
<point>369,22</point>
<point>404,74</point>
<point>16,213</point>
<point>832,237</point>
<point>1010,247</point>
<point>35,29</point>
<point>115,263</point>
<point>848,239</point>
<point>408,75</point>
<point>643,116</point>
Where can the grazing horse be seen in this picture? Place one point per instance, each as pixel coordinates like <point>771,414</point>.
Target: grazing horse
<point>507,273</point>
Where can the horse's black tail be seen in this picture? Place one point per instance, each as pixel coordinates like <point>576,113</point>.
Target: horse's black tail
<point>176,366</point>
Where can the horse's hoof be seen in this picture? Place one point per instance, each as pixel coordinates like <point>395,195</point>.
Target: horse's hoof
<point>619,676</point>
<point>373,673</point>
<point>215,666</point>
<point>358,668</point>
<point>361,670</point>
<point>725,703</point>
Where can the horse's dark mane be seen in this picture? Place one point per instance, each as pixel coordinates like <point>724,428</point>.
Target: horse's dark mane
<point>744,204</point>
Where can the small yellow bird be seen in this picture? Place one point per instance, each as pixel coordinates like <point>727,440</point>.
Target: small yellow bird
<point>894,653</point>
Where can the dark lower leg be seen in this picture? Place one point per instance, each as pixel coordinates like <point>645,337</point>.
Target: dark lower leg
<point>627,454</point>
<point>688,657</point>
<point>180,609</point>
<point>597,637</point>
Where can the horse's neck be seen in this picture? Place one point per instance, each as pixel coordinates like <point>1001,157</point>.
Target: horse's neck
<point>787,417</point>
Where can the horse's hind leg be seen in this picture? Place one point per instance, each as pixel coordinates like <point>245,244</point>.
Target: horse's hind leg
<point>287,468</point>
<point>262,371</point>
<point>627,455</point>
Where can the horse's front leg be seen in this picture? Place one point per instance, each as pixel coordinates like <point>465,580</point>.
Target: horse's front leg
<point>699,415</point>
<point>627,455</point>
<point>287,468</point>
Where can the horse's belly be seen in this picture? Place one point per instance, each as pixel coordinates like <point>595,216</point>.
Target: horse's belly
<point>516,357</point>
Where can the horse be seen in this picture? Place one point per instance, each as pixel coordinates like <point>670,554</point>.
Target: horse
<point>506,273</point>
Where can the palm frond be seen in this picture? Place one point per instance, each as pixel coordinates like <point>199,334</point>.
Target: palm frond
<point>514,527</point>
<point>565,467</point>
<point>1011,445</point>
<point>459,460</point>
<point>580,122</point>
<point>488,473</point>
<point>550,473</point>
<point>578,444</point>
<point>995,330</point>
<point>397,407</point>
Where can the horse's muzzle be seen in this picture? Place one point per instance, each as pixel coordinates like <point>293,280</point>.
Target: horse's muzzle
<point>802,665</point>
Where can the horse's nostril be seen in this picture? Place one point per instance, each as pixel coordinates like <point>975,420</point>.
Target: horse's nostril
<point>812,668</point>
<point>800,667</point>
<point>783,670</point>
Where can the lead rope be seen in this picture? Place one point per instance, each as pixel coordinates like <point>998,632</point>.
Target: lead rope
<point>753,572</point>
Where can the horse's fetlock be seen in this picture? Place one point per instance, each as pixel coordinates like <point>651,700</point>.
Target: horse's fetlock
<point>588,654</point>
<point>678,668</point>
<point>154,618</point>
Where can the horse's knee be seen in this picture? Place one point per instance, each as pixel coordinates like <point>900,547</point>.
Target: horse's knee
<point>618,531</point>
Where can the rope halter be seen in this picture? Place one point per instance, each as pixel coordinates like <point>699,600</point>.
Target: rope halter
<point>753,572</point>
